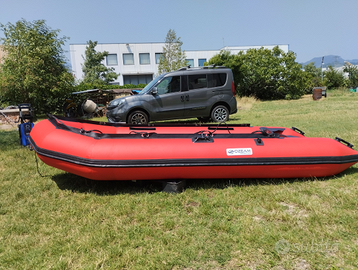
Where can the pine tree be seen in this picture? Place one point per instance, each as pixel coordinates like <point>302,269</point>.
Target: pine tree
<point>95,72</point>
<point>173,57</point>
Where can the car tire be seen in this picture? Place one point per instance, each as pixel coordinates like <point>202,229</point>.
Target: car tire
<point>138,118</point>
<point>220,114</point>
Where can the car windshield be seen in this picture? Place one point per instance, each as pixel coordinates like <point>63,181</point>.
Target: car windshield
<point>150,85</point>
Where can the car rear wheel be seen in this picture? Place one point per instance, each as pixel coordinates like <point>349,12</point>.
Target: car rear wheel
<point>138,118</point>
<point>220,114</point>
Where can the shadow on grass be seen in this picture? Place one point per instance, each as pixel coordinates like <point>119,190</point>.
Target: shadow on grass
<point>67,181</point>
<point>9,139</point>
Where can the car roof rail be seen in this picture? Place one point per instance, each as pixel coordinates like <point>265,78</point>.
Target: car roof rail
<point>183,68</point>
<point>195,68</point>
<point>213,66</point>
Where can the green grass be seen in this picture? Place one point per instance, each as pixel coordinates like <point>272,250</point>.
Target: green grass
<point>62,221</point>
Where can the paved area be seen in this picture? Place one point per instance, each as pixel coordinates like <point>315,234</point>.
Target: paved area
<point>6,126</point>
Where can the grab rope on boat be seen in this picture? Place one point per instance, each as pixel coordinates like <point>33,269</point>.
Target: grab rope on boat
<point>37,166</point>
<point>81,130</point>
<point>225,128</point>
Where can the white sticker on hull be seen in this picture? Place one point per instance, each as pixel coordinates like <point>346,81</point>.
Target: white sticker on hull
<point>239,151</point>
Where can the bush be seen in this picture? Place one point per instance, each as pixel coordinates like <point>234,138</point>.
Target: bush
<point>86,86</point>
<point>265,74</point>
<point>314,78</point>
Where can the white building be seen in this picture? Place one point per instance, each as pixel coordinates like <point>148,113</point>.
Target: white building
<point>138,62</point>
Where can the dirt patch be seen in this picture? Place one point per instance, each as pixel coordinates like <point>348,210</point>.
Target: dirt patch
<point>294,210</point>
<point>245,103</point>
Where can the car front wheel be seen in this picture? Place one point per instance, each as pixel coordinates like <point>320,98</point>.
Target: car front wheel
<point>220,114</point>
<point>138,118</point>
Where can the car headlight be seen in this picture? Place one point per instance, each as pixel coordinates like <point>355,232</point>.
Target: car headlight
<point>116,103</point>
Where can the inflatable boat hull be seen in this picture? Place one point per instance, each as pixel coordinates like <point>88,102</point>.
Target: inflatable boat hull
<point>102,151</point>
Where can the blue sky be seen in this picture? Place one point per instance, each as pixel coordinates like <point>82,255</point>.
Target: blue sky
<point>312,28</point>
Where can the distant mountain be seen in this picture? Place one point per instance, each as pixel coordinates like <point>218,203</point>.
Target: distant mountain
<point>330,60</point>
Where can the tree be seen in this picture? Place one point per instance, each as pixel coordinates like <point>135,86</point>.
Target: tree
<point>314,78</point>
<point>33,69</point>
<point>352,75</point>
<point>333,78</point>
<point>265,74</point>
<point>232,61</point>
<point>95,72</point>
<point>173,57</point>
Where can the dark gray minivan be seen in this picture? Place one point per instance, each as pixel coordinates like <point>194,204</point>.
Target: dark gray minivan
<point>206,93</point>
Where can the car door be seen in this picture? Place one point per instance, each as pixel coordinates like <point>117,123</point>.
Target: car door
<point>197,97</point>
<point>168,103</point>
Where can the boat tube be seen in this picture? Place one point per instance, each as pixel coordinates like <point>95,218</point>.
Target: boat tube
<point>105,151</point>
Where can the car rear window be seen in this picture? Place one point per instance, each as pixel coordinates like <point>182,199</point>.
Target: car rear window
<point>207,80</point>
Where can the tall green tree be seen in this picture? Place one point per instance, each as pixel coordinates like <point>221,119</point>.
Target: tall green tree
<point>265,74</point>
<point>314,78</point>
<point>173,57</point>
<point>33,69</point>
<point>352,75</point>
<point>232,61</point>
<point>333,78</point>
<point>95,72</point>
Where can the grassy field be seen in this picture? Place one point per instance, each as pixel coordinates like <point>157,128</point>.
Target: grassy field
<point>61,221</point>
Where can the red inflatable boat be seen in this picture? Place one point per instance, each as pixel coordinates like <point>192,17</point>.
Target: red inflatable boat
<point>104,151</point>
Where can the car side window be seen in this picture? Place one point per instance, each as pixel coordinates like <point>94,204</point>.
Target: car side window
<point>217,79</point>
<point>197,81</point>
<point>169,85</point>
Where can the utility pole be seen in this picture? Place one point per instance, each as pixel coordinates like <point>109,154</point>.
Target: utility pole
<point>322,68</point>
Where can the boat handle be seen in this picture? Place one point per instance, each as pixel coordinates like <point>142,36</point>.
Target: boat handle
<point>142,128</point>
<point>271,132</point>
<point>344,142</point>
<point>203,136</point>
<point>298,130</point>
<point>142,134</point>
<point>82,131</point>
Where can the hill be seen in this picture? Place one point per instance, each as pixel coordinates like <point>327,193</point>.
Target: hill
<point>330,60</point>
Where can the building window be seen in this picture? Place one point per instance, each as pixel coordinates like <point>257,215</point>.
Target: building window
<point>137,79</point>
<point>128,59</point>
<point>190,62</point>
<point>201,62</point>
<point>157,57</point>
<point>112,60</point>
<point>144,59</point>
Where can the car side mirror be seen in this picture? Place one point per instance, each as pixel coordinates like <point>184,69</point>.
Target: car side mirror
<point>154,91</point>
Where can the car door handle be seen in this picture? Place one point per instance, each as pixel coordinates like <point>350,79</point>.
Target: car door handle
<point>185,97</point>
